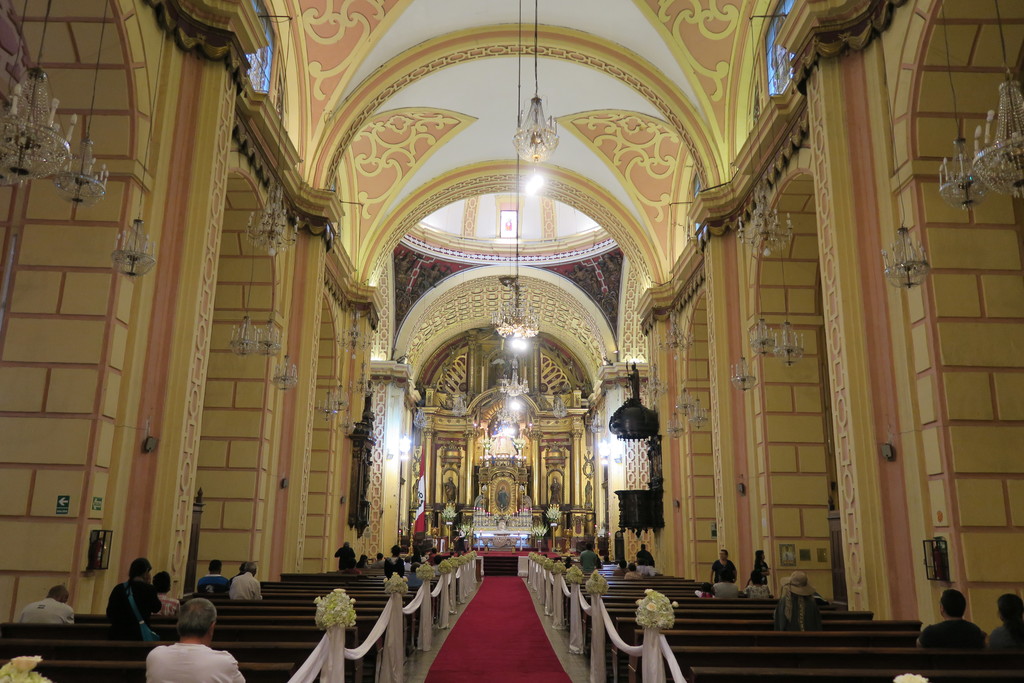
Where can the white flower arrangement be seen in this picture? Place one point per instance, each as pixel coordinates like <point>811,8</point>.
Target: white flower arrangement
<point>446,566</point>
<point>655,610</point>
<point>334,609</point>
<point>553,513</point>
<point>396,584</point>
<point>574,575</point>
<point>557,568</point>
<point>448,514</point>
<point>539,530</point>
<point>548,563</point>
<point>597,584</point>
<point>20,670</point>
<point>909,678</point>
<point>425,572</point>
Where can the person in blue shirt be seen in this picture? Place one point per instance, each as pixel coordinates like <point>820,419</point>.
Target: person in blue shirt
<point>213,582</point>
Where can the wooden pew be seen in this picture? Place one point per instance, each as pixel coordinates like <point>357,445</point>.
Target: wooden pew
<point>861,675</point>
<point>90,671</point>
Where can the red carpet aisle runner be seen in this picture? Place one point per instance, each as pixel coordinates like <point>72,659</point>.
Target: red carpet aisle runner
<point>498,639</point>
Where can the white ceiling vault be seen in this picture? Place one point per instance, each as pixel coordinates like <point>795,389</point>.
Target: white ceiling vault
<point>389,97</point>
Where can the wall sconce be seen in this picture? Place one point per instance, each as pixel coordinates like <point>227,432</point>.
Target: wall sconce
<point>99,549</point>
<point>936,559</point>
<point>741,488</point>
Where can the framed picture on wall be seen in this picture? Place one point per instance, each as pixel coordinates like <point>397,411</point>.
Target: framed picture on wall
<point>508,223</point>
<point>787,554</point>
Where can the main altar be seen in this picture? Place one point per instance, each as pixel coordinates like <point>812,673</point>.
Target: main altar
<point>502,510</point>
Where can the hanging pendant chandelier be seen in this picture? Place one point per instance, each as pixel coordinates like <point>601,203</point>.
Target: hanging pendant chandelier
<point>286,375</point>
<point>32,144</point>
<point>959,186</point>
<point>558,408</point>
<point>536,133</point>
<point>245,338</point>
<point>268,339</point>
<point>79,183</point>
<point>331,404</point>
<point>675,427</point>
<point>906,264</point>
<point>762,339</point>
<point>741,377</point>
<point>698,415</point>
<point>514,386</point>
<point>459,407</point>
<point>676,339</point>
<point>595,423</point>
<point>515,318</point>
<point>133,253</point>
<point>419,419</point>
<point>270,228</point>
<point>686,403</point>
<point>1000,164</point>
<point>789,344</point>
<point>763,233</point>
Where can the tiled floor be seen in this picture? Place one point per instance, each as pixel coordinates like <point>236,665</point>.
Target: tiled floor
<point>576,666</point>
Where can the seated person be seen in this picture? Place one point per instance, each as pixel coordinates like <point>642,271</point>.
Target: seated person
<point>361,564</point>
<point>644,569</point>
<point>191,658</point>
<point>53,609</point>
<point>726,588</point>
<point>245,586</point>
<point>757,586</point>
<point>797,609</point>
<point>168,605</point>
<point>706,590</point>
<point>632,574</point>
<point>213,582</point>
<point>1009,636</point>
<point>620,571</point>
<point>953,631</point>
<point>414,581</point>
<point>394,564</point>
<point>378,563</point>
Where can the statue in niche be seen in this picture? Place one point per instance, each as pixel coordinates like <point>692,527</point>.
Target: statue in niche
<point>451,492</point>
<point>503,499</point>
<point>556,492</point>
<point>527,502</point>
<point>589,493</point>
<point>480,502</point>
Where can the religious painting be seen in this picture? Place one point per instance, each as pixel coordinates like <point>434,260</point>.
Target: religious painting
<point>503,498</point>
<point>787,554</point>
<point>508,223</point>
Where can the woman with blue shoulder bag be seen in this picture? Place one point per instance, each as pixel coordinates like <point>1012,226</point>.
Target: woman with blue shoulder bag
<point>132,603</point>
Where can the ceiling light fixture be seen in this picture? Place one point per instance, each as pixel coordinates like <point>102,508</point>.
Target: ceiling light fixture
<point>536,134</point>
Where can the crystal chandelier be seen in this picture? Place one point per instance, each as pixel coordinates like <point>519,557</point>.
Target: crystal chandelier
<point>906,264</point>
<point>268,339</point>
<point>78,183</point>
<point>459,407</point>
<point>515,318</point>
<point>514,386</point>
<point>419,419</point>
<point>763,232</point>
<point>655,387</point>
<point>676,339</point>
<point>32,145</point>
<point>133,253</point>
<point>269,228</point>
<point>1001,163</point>
<point>789,344</point>
<point>245,338</point>
<point>675,427</point>
<point>331,404</point>
<point>741,377</point>
<point>698,415</point>
<point>958,184</point>
<point>595,423</point>
<point>686,403</point>
<point>536,134</point>
<point>286,376</point>
<point>558,408</point>
<point>762,340</point>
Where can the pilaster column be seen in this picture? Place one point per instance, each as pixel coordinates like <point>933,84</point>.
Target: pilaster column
<point>838,189</point>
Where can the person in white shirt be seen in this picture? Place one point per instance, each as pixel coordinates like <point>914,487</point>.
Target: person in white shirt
<point>245,586</point>
<point>191,658</point>
<point>644,569</point>
<point>53,609</point>
<point>726,588</point>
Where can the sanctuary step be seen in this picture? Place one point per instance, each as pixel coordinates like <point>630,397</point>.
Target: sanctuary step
<point>500,565</point>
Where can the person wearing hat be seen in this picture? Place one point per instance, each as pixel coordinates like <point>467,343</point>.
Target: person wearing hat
<point>797,610</point>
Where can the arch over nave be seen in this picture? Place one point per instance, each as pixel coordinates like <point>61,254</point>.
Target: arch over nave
<point>388,139</point>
